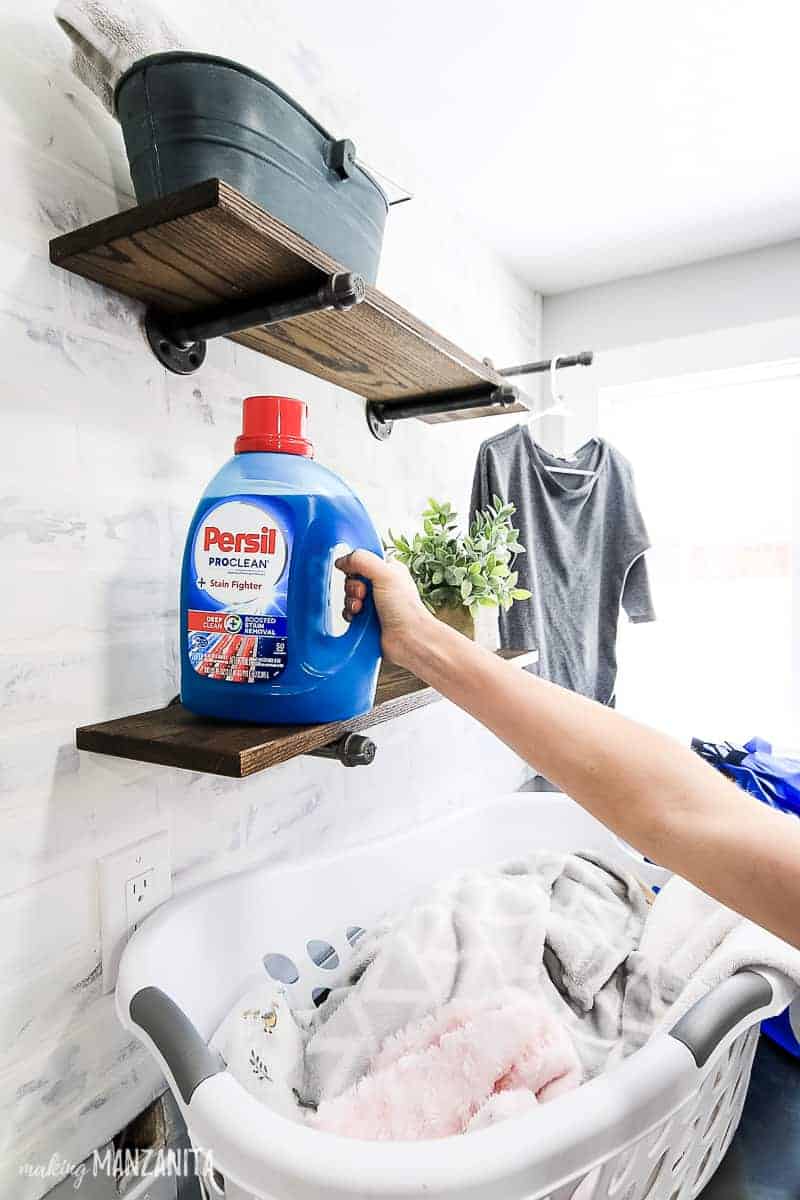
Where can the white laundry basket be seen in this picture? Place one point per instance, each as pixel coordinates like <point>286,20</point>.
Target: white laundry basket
<point>654,1128</point>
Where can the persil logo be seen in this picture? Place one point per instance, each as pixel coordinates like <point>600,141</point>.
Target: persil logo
<point>239,553</point>
<point>263,542</point>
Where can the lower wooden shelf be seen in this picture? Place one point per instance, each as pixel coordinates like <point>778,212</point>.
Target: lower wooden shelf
<point>174,737</point>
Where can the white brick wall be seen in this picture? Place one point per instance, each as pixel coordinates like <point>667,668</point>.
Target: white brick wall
<point>102,458</point>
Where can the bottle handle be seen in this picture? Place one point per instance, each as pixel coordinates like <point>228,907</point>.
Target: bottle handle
<point>336,625</point>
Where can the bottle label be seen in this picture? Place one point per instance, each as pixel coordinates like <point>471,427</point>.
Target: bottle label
<point>237,595</point>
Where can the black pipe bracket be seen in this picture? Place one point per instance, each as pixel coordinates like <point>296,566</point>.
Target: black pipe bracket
<point>180,358</point>
<point>382,415</point>
<point>351,750</point>
<point>178,340</point>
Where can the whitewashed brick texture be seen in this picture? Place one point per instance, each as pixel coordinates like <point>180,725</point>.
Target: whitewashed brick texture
<point>102,459</point>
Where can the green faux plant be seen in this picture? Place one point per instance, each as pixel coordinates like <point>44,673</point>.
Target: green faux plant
<point>473,569</point>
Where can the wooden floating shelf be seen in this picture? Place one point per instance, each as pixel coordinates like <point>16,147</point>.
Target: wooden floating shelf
<point>174,737</point>
<point>209,244</point>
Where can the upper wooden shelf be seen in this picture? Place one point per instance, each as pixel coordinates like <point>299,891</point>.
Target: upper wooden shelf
<point>174,737</point>
<point>209,244</point>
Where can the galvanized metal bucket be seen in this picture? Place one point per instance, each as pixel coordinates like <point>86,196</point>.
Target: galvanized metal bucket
<point>188,117</point>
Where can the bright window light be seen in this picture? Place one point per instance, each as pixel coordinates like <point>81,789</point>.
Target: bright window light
<point>717,467</point>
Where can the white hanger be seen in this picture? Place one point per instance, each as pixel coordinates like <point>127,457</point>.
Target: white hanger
<point>558,409</point>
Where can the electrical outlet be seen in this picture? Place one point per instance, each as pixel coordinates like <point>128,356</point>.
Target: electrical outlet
<point>133,881</point>
<point>138,895</point>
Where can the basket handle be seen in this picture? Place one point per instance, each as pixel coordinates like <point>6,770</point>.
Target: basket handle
<point>188,1057</point>
<point>708,1021</point>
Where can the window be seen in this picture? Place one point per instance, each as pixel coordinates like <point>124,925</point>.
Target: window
<point>715,459</point>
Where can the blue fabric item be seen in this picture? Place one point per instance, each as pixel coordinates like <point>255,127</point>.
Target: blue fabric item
<point>775,780</point>
<point>781,775</point>
<point>779,1030</point>
<point>771,777</point>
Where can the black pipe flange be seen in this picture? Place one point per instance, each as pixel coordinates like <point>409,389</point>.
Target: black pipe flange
<point>179,357</point>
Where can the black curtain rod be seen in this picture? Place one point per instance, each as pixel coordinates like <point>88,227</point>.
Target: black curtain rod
<point>584,359</point>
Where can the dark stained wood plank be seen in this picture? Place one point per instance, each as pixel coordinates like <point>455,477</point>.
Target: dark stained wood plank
<point>174,737</point>
<point>209,244</point>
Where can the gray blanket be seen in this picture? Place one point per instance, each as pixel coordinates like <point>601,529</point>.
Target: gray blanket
<point>560,926</point>
<point>581,938</point>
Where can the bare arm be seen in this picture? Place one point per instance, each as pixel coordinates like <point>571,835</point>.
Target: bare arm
<point>651,790</point>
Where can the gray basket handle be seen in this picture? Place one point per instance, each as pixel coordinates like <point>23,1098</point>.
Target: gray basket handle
<point>708,1021</point>
<point>188,1057</point>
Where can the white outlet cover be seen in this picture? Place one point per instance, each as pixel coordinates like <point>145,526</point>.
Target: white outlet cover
<point>116,871</point>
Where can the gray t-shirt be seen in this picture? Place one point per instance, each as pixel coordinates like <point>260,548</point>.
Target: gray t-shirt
<point>585,541</point>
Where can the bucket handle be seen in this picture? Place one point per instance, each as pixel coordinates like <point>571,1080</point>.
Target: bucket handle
<point>342,158</point>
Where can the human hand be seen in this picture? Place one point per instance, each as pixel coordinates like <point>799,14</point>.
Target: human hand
<point>400,611</point>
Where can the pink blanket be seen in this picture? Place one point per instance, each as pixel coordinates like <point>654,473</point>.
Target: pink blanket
<point>464,1066</point>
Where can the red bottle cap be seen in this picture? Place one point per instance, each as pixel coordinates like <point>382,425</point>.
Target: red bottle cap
<point>276,424</point>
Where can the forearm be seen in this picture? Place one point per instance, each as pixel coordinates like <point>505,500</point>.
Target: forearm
<point>610,765</point>
<point>648,788</point>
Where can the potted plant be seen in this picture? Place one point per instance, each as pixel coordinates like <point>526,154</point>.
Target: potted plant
<point>464,578</point>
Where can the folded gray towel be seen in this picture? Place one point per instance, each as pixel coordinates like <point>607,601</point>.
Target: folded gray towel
<point>109,36</point>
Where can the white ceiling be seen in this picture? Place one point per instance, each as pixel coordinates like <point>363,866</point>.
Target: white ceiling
<point>586,139</point>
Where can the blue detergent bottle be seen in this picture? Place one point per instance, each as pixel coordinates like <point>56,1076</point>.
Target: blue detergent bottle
<point>262,637</point>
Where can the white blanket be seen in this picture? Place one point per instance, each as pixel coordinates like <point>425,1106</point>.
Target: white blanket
<point>263,1047</point>
<point>690,944</point>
